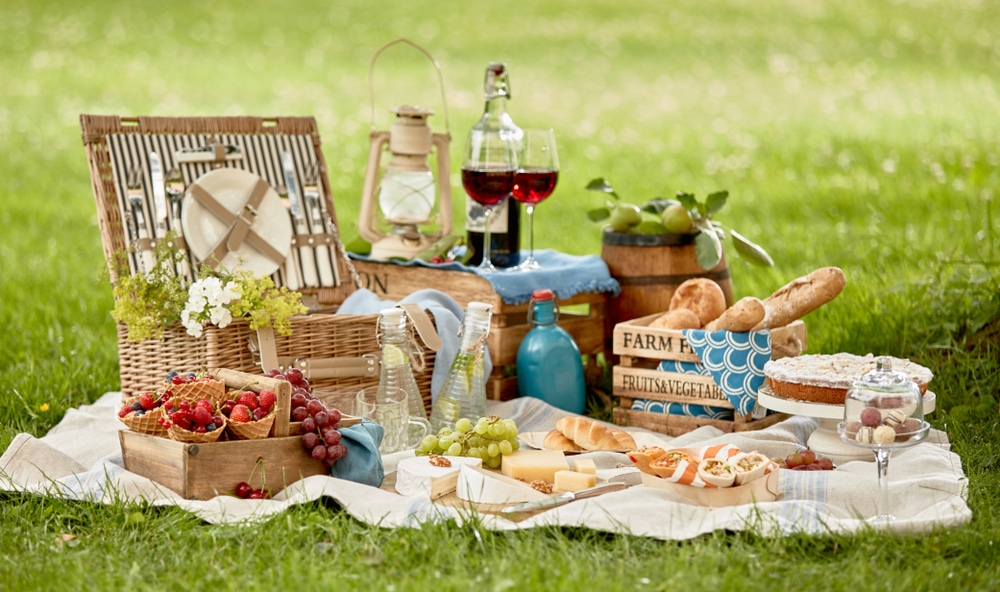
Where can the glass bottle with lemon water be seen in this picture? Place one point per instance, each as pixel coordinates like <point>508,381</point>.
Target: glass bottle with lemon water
<point>397,374</point>
<point>463,393</point>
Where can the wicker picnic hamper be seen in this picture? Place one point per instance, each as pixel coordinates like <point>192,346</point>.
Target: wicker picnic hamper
<point>336,351</point>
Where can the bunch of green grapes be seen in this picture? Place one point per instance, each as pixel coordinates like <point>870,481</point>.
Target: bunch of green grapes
<point>490,438</point>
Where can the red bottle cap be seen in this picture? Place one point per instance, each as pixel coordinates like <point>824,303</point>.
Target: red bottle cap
<point>542,295</point>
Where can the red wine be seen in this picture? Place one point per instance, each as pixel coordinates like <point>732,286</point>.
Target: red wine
<point>488,186</point>
<point>533,185</point>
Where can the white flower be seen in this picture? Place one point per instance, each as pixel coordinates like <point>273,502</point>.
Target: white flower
<point>221,316</point>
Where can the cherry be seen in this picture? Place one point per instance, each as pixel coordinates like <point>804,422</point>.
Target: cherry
<point>243,490</point>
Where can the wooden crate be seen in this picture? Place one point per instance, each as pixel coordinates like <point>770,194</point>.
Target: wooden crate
<point>582,315</point>
<point>203,471</point>
<point>641,348</point>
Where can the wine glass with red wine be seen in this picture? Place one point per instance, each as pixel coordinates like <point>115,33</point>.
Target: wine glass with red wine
<point>536,180</point>
<point>488,172</point>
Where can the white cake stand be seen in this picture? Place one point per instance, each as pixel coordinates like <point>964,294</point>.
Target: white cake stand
<point>825,440</point>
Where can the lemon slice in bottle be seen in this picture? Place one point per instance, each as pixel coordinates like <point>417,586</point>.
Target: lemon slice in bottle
<point>393,355</point>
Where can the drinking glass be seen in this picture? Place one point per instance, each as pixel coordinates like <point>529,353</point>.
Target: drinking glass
<point>488,171</point>
<point>536,179</point>
<point>392,412</point>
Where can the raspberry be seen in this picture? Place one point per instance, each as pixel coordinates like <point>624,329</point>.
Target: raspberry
<point>240,414</point>
<point>201,416</point>
<point>203,404</point>
<point>147,400</point>
<point>248,399</point>
<point>267,399</point>
<point>124,411</point>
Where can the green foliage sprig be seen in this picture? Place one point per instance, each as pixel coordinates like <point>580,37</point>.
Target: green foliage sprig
<point>147,303</point>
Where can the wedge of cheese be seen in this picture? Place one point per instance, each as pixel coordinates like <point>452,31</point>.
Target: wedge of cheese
<point>585,465</point>
<point>573,481</point>
<point>531,465</point>
<point>416,476</point>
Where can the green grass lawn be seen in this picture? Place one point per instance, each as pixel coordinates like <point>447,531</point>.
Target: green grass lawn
<point>864,135</point>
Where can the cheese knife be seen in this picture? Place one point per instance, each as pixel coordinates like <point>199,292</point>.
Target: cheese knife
<point>159,193</point>
<point>565,498</point>
<point>306,255</point>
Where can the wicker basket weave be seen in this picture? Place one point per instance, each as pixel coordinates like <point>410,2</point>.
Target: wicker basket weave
<point>144,364</point>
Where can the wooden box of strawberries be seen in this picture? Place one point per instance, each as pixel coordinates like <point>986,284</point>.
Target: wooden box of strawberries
<point>229,433</point>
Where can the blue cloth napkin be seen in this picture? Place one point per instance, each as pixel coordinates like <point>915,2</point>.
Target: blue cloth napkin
<point>363,463</point>
<point>735,361</point>
<point>566,275</point>
<point>447,319</point>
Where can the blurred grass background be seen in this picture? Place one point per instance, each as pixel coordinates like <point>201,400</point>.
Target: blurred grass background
<point>859,134</point>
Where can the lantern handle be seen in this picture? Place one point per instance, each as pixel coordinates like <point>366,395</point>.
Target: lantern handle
<point>437,67</point>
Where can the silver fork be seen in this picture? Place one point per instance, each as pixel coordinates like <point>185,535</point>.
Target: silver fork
<point>310,187</point>
<point>175,191</point>
<point>135,197</point>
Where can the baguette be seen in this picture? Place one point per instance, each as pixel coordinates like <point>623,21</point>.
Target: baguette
<point>740,317</point>
<point>592,435</point>
<point>801,296</point>
<point>555,440</point>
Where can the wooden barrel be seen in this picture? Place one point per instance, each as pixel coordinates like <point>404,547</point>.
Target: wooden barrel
<point>649,268</point>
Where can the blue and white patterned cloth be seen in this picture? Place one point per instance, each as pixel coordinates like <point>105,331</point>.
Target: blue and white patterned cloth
<point>735,361</point>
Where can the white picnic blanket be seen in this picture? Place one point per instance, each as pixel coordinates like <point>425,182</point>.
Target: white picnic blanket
<point>80,459</point>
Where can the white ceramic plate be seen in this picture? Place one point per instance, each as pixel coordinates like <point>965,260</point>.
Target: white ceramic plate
<point>203,230</point>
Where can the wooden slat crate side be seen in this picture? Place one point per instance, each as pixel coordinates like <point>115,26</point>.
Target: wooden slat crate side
<point>203,471</point>
<point>641,383</point>
<point>636,338</point>
<point>676,425</point>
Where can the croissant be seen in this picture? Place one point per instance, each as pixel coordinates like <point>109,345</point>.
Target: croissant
<point>592,435</point>
<point>555,440</point>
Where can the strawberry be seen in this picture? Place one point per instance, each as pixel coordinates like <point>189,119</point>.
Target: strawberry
<point>147,400</point>
<point>201,416</point>
<point>248,399</point>
<point>240,414</point>
<point>267,399</point>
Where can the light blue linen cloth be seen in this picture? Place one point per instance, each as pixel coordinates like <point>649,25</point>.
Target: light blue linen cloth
<point>566,275</point>
<point>447,318</point>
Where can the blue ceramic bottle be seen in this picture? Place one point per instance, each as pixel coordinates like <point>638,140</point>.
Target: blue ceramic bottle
<point>549,366</point>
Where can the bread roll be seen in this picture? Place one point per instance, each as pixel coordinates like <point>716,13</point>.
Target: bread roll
<point>740,317</point>
<point>680,318</point>
<point>555,440</point>
<point>592,435</point>
<point>701,296</point>
<point>801,296</point>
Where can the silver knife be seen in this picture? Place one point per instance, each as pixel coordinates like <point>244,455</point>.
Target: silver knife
<point>159,193</point>
<point>306,256</point>
<point>565,498</point>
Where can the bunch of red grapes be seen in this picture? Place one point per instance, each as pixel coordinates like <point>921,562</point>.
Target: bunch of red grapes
<point>807,460</point>
<point>320,436</point>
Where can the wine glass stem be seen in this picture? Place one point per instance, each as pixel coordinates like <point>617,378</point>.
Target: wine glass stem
<point>487,211</point>
<point>530,210</point>
<point>882,462</point>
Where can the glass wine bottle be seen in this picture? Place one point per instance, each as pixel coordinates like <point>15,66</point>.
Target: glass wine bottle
<point>396,373</point>
<point>506,219</point>
<point>463,393</point>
